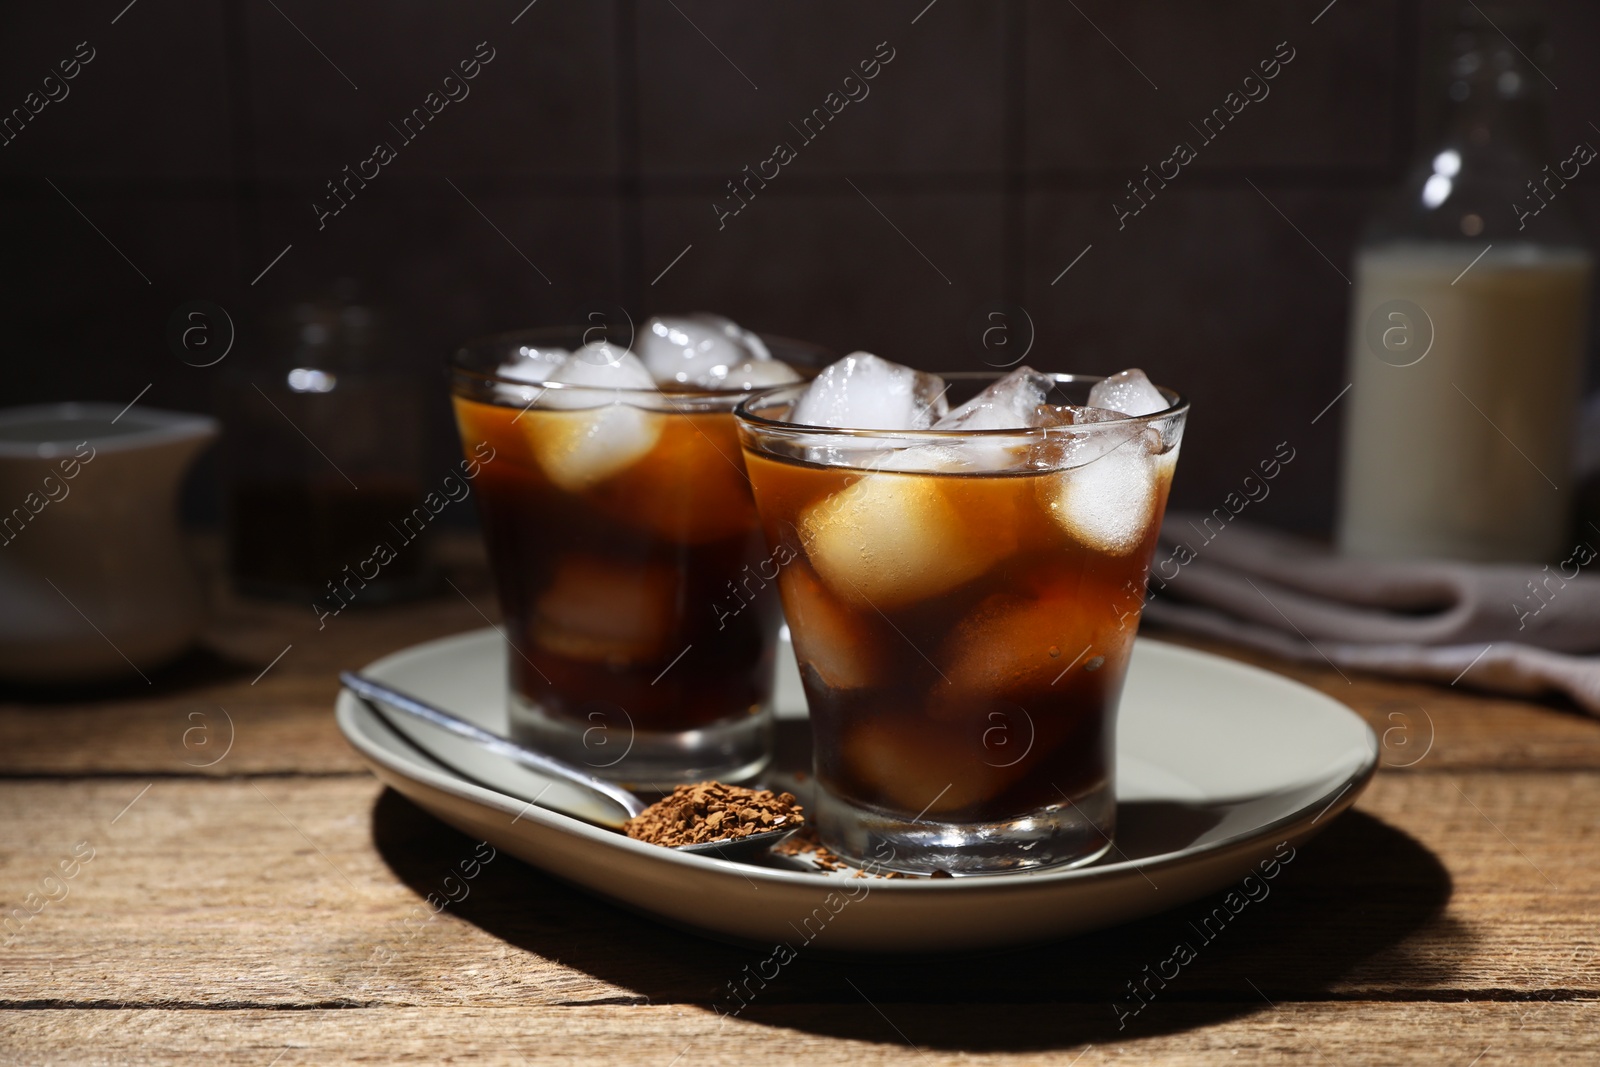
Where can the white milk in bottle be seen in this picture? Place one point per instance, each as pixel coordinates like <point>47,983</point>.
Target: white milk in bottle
<point>1465,386</point>
<point>1468,322</point>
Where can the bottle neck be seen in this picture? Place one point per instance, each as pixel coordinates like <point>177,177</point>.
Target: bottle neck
<point>1491,130</point>
<point>1486,150</point>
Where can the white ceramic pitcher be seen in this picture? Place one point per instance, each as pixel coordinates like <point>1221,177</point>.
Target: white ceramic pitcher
<point>94,581</point>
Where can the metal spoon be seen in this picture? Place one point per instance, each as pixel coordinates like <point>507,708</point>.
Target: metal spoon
<point>728,848</point>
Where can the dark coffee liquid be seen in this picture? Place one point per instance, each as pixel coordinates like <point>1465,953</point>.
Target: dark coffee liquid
<point>631,597</point>
<point>979,685</point>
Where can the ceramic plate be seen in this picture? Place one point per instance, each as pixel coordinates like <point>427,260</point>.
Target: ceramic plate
<point>1217,764</point>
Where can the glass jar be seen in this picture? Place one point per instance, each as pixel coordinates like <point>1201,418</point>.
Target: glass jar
<point>325,462</point>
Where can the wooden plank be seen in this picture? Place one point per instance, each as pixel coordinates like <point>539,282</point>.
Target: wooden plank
<point>282,723</point>
<point>288,892</point>
<point>852,1031</point>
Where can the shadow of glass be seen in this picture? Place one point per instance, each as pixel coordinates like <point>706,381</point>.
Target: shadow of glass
<point>1348,899</point>
<point>1156,827</point>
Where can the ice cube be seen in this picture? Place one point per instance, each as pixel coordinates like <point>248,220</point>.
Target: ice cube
<point>1014,646</point>
<point>600,365</point>
<point>1057,414</point>
<point>528,364</point>
<point>927,458</point>
<point>1166,463</point>
<point>1015,402</point>
<point>531,364</point>
<point>691,349</point>
<point>753,374</point>
<point>1129,392</point>
<point>830,637</point>
<point>712,322</point>
<point>596,429</point>
<point>595,376</point>
<point>753,344</point>
<point>748,339</point>
<point>928,768</point>
<point>1109,502</point>
<point>606,611</point>
<point>889,540</point>
<point>864,392</point>
<point>1080,435</point>
<point>1011,403</point>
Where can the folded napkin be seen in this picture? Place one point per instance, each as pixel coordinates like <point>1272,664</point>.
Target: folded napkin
<point>1510,628</point>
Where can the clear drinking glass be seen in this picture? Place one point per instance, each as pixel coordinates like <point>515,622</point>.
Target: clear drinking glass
<point>315,472</point>
<point>641,640</point>
<point>963,606</point>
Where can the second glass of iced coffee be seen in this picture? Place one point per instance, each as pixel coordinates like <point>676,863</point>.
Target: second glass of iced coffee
<point>624,542</point>
<point>963,587</point>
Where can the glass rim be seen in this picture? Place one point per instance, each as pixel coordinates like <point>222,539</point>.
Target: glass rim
<point>549,334</point>
<point>1179,405</point>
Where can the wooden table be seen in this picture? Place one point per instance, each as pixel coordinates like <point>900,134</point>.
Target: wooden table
<point>245,868</point>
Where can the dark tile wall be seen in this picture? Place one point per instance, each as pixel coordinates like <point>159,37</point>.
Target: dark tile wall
<point>590,157</point>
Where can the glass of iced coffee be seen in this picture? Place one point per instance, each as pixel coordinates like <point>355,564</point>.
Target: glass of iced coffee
<point>624,541</point>
<point>963,586</point>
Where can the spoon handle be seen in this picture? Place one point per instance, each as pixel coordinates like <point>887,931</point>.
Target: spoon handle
<point>371,690</point>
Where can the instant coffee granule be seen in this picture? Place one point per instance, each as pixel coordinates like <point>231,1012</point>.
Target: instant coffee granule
<point>713,811</point>
<point>807,841</point>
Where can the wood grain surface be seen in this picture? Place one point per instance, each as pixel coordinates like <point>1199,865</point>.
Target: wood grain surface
<point>243,892</point>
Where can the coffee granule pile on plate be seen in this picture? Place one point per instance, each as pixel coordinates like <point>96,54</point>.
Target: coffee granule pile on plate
<point>823,858</point>
<point>807,841</point>
<point>713,811</point>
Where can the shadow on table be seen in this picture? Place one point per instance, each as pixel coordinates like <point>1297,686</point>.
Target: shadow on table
<point>197,668</point>
<point>1343,908</point>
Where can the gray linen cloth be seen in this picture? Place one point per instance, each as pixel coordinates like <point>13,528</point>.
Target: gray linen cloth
<point>1508,628</point>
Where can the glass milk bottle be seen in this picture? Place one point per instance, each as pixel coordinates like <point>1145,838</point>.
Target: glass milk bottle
<point>1468,323</point>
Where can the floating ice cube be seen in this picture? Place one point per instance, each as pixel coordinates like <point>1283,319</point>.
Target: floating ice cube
<point>749,340</point>
<point>1080,435</point>
<point>606,611</point>
<point>596,430</point>
<point>864,392</point>
<point>1166,463</point>
<point>753,343</point>
<point>528,364</point>
<point>933,771</point>
<point>1109,502</point>
<point>1011,403</point>
<point>926,458</point>
<point>1058,414</point>
<point>829,636</point>
<point>1015,402</point>
<point>753,374</point>
<point>1129,392</point>
<point>691,349</point>
<point>531,364</point>
<point>593,375</point>
<point>1012,646</point>
<point>712,322</point>
<point>889,540</point>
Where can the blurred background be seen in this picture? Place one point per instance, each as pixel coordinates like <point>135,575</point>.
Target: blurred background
<point>191,161</point>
